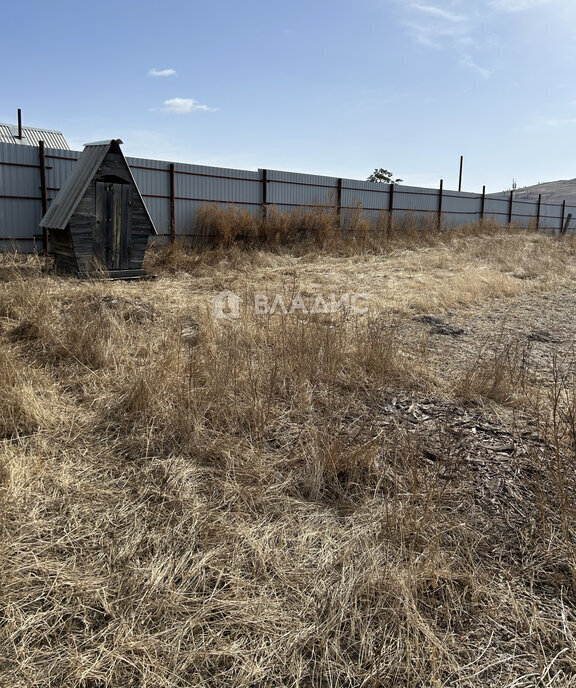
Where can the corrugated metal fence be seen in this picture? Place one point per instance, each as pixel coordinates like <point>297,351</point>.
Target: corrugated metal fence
<point>174,191</point>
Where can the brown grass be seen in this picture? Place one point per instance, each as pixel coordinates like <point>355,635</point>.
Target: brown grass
<point>263,502</point>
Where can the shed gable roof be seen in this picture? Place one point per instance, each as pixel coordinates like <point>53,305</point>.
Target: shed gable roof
<point>77,182</point>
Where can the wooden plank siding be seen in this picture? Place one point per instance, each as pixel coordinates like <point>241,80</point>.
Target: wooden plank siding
<point>109,227</point>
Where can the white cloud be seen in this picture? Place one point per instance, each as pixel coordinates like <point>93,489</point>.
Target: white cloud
<point>184,105</point>
<point>434,25</point>
<point>548,123</point>
<point>516,5</point>
<point>161,72</point>
<point>468,62</point>
<point>439,12</point>
<point>556,122</point>
<point>459,23</point>
<point>452,25</point>
<point>435,35</point>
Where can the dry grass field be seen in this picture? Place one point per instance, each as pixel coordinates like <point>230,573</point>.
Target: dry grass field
<point>301,499</point>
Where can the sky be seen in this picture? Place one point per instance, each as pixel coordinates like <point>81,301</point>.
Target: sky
<point>335,87</point>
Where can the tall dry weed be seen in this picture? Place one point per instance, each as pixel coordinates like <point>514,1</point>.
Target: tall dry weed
<point>277,500</point>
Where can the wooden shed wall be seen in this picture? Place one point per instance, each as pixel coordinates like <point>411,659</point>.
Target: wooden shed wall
<point>81,228</point>
<point>76,249</point>
<point>114,164</point>
<point>141,231</point>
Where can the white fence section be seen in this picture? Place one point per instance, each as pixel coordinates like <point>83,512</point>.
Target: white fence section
<point>174,191</point>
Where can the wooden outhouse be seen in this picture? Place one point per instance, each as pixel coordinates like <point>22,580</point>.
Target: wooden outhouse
<point>98,224</point>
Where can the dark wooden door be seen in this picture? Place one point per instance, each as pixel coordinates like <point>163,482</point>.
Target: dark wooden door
<point>112,232</point>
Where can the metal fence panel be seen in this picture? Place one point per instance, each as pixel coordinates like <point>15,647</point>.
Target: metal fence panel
<point>293,189</point>
<point>212,189</point>
<point>59,164</point>
<point>369,199</point>
<point>416,199</point>
<point>469,205</point>
<point>19,178</point>
<point>17,217</point>
<point>497,208</point>
<point>195,185</point>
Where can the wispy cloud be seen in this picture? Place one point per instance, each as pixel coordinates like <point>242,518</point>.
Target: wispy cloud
<point>182,106</point>
<point>435,25</point>
<point>161,72</point>
<point>467,62</point>
<point>440,12</point>
<point>435,35</point>
<point>456,26</point>
<point>556,122</point>
<point>516,5</point>
<point>548,123</point>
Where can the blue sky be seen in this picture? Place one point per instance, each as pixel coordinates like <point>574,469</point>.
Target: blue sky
<point>334,87</point>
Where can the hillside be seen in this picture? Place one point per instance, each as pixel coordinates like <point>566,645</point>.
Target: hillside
<point>344,499</point>
<point>552,192</point>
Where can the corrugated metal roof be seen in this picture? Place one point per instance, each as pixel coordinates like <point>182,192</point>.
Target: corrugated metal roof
<point>105,142</point>
<point>63,206</point>
<point>31,136</point>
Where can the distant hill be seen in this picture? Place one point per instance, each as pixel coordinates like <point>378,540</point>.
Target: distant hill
<point>552,192</point>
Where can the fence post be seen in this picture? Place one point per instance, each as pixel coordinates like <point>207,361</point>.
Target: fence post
<point>43,191</point>
<point>390,207</point>
<point>483,203</point>
<point>339,203</point>
<point>510,208</point>
<point>440,204</point>
<point>567,223</point>
<point>538,212</point>
<point>460,176</point>
<point>562,220</point>
<point>264,193</point>
<point>172,204</point>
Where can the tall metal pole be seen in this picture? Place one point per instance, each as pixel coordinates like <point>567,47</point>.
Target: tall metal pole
<point>43,191</point>
<point>390,207</point>
<point>460,177</point>
<point>339,202</point>
<point>440,193</point>
<point>264,194</point>
<point>172,203</point>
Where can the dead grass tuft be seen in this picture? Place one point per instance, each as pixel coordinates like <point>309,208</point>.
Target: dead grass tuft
<point>290,499</point>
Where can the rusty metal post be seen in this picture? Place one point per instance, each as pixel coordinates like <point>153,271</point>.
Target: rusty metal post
<point>339,202</point>
<point>460,177</point>
<point>483,202</point>
<point>264,193</point>
<point>440,194</point>
<point>43,191</point>
<point>562,220</point>
<point>390,207</point>
<point>510,208</point>
<point>538,212</point>
<point>172,203</point>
